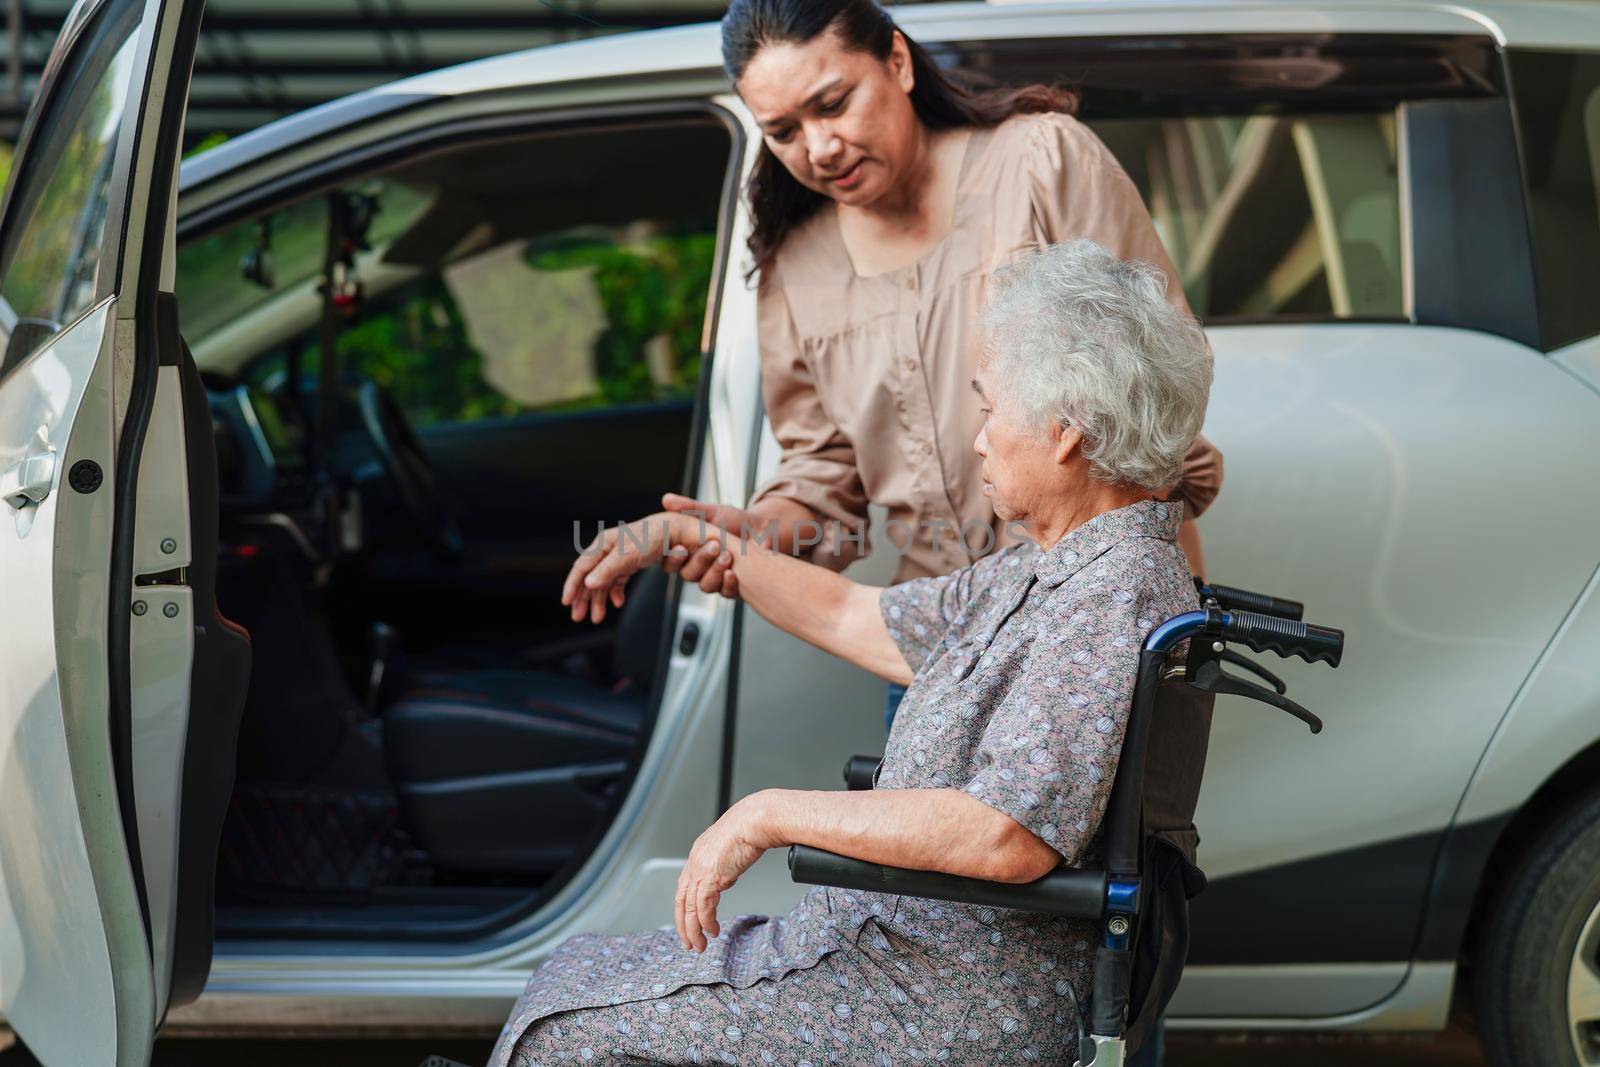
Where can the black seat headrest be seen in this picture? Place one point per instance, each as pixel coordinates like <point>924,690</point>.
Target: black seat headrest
<point>638,646</point>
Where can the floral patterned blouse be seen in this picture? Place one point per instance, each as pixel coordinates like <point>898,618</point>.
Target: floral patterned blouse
<point>1025,666</point>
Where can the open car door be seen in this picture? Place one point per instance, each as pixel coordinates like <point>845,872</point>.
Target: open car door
<point>111,791</point>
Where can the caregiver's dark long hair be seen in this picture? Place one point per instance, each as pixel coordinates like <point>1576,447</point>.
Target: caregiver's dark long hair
<point>778,202</point>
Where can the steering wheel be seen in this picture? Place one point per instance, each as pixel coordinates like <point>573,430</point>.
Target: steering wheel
<point>411,473</point>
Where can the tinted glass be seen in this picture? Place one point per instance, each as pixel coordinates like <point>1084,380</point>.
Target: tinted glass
<point>231,271</point>
<point>587,318</point>
<point>1556,98</point>
<point>56,221</point>
<point>1273,216</point>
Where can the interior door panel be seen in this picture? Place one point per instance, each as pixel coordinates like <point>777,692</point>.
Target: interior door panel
<point>527,486</point>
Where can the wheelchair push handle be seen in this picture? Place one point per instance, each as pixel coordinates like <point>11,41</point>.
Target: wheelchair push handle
<point>1286,637</point>
<point>1232,598</point>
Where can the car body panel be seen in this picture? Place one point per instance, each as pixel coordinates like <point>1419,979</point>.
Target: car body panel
<point>75,972</point>
<point>1388,542</point>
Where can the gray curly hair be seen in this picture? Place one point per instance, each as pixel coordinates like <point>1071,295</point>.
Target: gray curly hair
<point>1079,337</point>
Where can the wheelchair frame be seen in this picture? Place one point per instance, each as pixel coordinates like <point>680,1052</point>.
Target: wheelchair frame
<point>1112,896</point>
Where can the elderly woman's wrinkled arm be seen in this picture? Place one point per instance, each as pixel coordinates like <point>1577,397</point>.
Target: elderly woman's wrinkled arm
<point>942,830</point>
<point>811,602</point>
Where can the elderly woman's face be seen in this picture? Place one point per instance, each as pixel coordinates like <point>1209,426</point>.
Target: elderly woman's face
<point>841,121</point>
<point>1022,469</point>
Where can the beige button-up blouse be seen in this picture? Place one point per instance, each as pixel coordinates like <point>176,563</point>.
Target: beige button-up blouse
<point>866,379</point>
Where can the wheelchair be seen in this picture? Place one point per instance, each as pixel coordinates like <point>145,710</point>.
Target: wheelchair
<point>1141,897</point>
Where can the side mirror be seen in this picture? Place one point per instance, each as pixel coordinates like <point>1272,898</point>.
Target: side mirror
<point>27,337</point>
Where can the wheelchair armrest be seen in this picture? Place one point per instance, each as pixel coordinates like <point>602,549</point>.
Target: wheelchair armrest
<point>858,772</point>
<point>1067,891</point>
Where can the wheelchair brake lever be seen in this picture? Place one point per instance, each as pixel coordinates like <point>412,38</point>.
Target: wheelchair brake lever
<point>1239,659</point>
<point>1213,679</point>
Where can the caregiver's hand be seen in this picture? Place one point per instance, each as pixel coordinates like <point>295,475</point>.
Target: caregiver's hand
<point>701,568</point>
<point>718,858</point>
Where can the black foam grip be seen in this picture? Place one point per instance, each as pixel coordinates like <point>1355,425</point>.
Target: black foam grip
<point>858,772</point>
<point>1065,891</point>
<point>1232,599</point>
<point>1286,637</point>
<point>1113,974</point>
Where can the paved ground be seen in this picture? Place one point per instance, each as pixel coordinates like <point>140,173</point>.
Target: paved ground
<point>1454,1048</point>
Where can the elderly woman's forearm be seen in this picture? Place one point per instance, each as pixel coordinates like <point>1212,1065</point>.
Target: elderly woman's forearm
<point>820,607</point>
<point>942,830</point>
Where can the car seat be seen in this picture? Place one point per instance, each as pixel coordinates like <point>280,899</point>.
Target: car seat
<point>510,769</point>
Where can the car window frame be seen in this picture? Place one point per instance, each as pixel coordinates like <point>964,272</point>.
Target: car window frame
<point>26,162</point>
<point>1559,324</point>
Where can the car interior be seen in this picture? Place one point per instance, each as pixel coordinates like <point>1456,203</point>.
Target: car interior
<point>429,746</point>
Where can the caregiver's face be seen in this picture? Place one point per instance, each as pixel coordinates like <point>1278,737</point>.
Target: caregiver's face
<point>1020,463</point>
<point>841,121</point>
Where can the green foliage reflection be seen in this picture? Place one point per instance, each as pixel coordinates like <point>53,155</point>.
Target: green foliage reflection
<point>417,341</point>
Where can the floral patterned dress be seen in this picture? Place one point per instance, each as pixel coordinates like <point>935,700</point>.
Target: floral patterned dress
<point>1025,667</point>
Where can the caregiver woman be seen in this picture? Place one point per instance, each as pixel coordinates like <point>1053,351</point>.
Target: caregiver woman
<point>884,197</point>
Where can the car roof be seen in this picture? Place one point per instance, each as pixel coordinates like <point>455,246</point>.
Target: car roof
<point>684,49</point>
<point>695,50</point>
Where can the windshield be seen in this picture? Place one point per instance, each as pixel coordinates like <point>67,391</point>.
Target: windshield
<point>231,271</point>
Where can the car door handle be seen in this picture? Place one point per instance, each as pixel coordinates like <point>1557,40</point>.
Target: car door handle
<point>30,481</point>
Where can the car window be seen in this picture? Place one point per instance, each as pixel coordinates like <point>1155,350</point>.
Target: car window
<point>1270,216</point>
<point>1556,97</point>
<point>588,317</point>
<point>50,260</point>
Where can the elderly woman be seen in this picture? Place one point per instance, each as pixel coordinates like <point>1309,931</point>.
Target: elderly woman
<point>1020,669</point>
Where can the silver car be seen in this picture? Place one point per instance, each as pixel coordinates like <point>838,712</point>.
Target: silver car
<point>294,735</point>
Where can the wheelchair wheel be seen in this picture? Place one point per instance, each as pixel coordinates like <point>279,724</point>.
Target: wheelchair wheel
<point>1537,971</point>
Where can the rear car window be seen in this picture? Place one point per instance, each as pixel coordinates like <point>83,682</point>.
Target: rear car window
<point>1270,216</point>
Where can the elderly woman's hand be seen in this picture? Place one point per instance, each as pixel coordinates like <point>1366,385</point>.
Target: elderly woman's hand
<point>719,856</point>
<point>601,571</point>
<point>706,568</point>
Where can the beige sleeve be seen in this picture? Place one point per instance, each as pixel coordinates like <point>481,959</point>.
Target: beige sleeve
<point>818,466</point>
<point>1078,189</point>
<point>1201,480</point>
